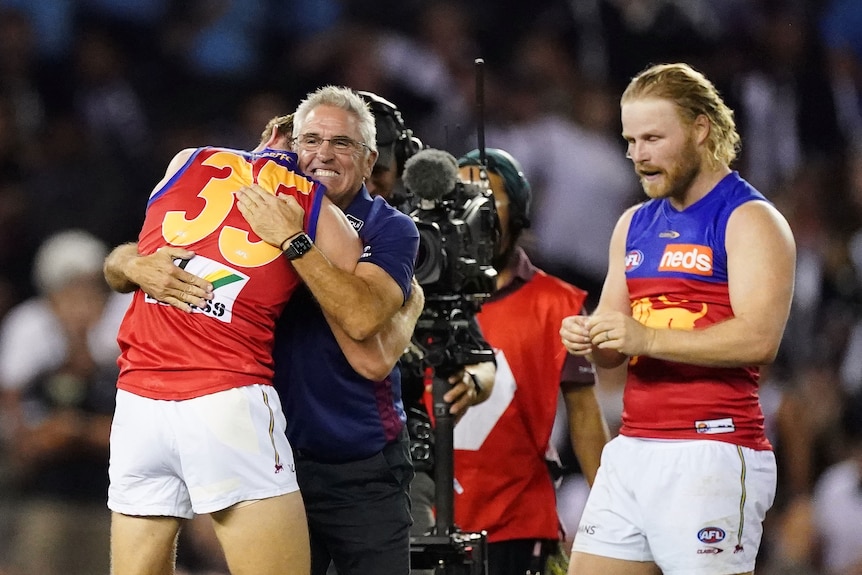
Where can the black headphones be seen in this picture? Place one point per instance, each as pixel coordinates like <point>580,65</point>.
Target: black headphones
<point>405,144</point>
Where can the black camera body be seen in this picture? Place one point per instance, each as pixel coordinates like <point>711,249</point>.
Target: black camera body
<point>458,234</point>
<point>458,230</point>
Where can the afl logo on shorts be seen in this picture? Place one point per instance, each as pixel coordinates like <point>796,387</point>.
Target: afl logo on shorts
<point>711,535</point>
<point>634,259</point>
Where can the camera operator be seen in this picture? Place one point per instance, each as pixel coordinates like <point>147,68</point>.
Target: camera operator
<point>471,384</point>
<point>505,485</point>
<point>396,144</point>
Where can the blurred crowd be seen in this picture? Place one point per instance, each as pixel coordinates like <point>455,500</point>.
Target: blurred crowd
<point>97,95</point>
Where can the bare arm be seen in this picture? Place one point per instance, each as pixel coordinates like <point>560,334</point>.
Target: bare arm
<point>114,268</point>
<point>361,302</point>
<point>588,430</point>
<point>576,330</point>
<point>336,248</point>
<point>761,256</point>
<point>157,275</point>
<point>376,356</point>
<point>126,270</point>
<point>761,261</point>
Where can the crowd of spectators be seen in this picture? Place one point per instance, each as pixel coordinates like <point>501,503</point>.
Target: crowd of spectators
<point>97,95</point>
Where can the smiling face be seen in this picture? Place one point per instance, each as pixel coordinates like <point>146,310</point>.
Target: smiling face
<point>341,171</point>
<point>665,150</point>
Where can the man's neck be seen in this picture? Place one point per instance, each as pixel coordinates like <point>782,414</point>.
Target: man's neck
<point>506,273</point>
<point>343,201</point>
<point>504,277</point>
<point>704,183</point>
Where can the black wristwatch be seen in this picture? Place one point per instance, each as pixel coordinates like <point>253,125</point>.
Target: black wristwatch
<point>298,246</point>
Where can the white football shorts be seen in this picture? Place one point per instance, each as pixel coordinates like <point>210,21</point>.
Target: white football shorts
<point>196,456</point>
<point>689,506</point>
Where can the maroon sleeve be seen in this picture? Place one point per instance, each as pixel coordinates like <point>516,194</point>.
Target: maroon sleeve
<point>577,370</point>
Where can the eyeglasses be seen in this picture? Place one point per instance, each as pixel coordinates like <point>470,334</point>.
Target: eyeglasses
<point>340,144</point>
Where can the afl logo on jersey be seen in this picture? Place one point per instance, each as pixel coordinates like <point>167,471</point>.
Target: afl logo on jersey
<point>634,259</point>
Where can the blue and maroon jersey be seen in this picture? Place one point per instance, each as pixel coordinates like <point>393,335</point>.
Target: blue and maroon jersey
<point>676,272</point>
<point>169,354</point>
<point>333,413</point>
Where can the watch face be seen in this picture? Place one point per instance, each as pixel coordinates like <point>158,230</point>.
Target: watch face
<point>298,247</point>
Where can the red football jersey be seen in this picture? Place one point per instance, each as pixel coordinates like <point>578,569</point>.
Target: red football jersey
<point>169,354</point>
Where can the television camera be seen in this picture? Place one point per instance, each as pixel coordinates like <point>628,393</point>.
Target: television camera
<point>458,232</point>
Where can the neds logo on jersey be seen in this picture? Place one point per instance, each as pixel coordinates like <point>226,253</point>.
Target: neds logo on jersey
<point>687,258</point>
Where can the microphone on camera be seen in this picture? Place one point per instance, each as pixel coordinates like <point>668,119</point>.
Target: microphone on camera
<point>431,174</point>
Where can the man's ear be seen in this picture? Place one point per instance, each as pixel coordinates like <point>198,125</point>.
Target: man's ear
<point>372,159</point>
<point>278,140</point>
<point>702,127</point>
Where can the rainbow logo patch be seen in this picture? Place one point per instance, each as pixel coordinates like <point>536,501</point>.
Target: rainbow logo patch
<point>227,284</point>
<point>222,278</point>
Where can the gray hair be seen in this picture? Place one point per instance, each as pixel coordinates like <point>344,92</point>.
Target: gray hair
<point>338,97</point>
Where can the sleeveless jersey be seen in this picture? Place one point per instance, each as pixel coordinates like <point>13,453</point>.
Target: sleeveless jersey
<point>504,485</point>
<point>169,354</point>
<point>676,272</point>
<point>333,413</point>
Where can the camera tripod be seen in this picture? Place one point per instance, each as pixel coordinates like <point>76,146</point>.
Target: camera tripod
<point>447,550</point>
